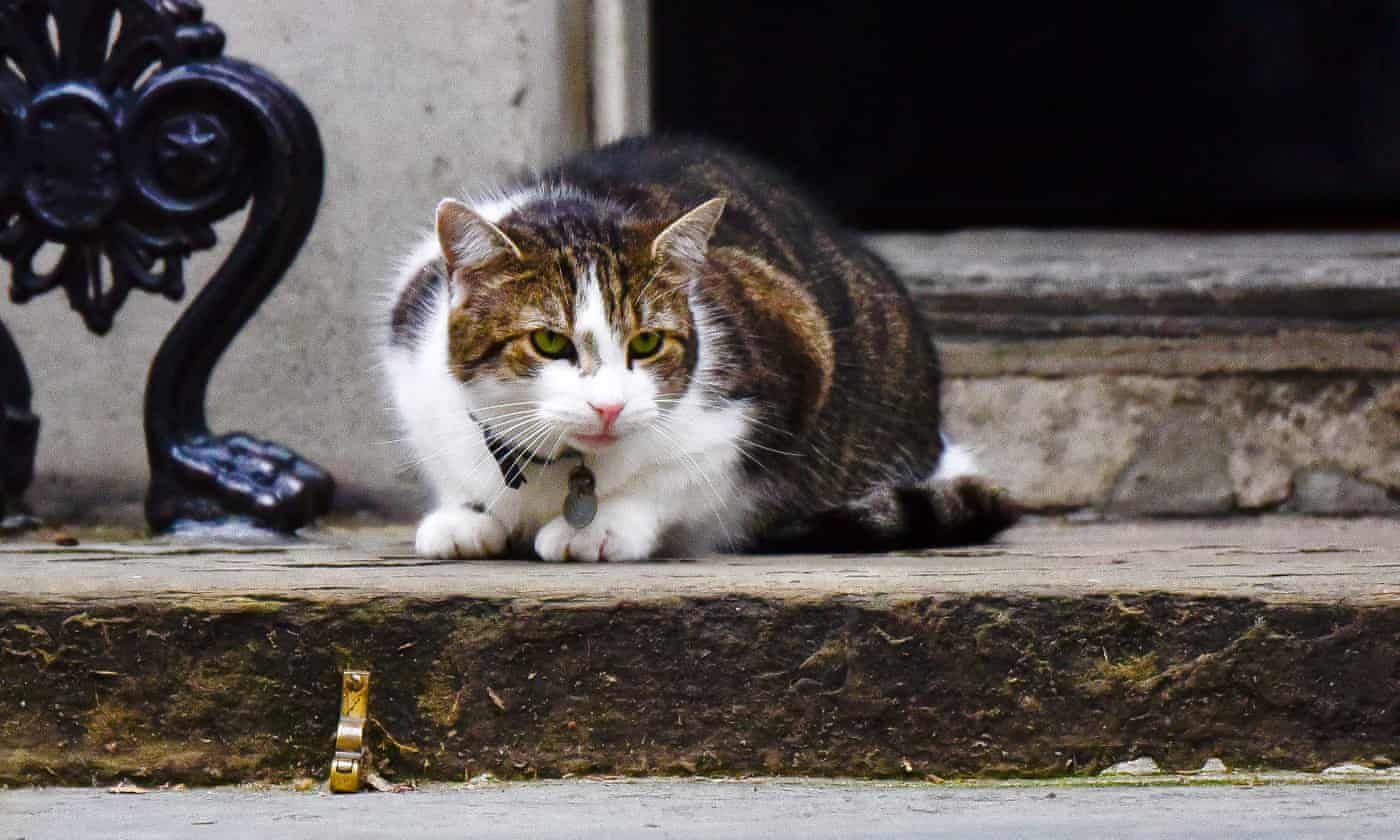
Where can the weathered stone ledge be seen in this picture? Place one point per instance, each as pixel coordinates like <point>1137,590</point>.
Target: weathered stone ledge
<point>1272,642</point>
<point>1038,283</point>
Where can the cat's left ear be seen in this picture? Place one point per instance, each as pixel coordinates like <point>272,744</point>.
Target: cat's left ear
<point>688,238</point>
<point>468,238</point>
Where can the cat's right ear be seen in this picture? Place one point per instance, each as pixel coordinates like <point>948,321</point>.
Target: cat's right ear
<point>687,238</point>
<point>467,238</point>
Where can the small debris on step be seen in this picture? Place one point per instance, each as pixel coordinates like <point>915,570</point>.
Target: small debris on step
<point>127,787</point>
<point>1144,766</point>
<point>383,785</point>
<point>18,523</point>
<point>65,540</point>
<point>1213,766</point>
<point>891,640</point>
<point>304,784</point>
<point>1349,768</point>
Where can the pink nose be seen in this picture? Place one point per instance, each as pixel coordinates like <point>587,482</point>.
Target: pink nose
<point>607,413</point>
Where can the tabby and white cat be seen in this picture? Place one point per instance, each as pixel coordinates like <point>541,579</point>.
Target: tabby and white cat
<point>669,338</point>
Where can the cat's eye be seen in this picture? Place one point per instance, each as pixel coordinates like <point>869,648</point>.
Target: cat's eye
<point>551,344</point>
<point>644,344</point>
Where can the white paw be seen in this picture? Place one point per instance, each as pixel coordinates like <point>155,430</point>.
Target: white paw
<point>460,532</point>
<point>620,532</point>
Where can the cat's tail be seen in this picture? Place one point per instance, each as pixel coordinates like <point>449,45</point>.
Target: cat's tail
<point>954,508</point>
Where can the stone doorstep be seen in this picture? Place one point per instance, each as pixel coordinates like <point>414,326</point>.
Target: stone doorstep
<point>1170,373</point>
<point>1271,642</point>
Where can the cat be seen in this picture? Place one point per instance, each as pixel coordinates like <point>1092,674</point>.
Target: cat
<point>671,338</point>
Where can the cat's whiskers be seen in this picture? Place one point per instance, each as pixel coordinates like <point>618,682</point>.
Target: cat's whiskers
<point>392,441</point>
<point>513,428</point>
<point>524,452</point>
<point>509,472</point>
<point>647,285</point>
<point>748,417</point>
<point>662,296</point>
<point>739,447</point>
<point>495,420</point>
<point>494,406</point>
<point>487,455</point>
<point>414,463</point>
<point>695,467</point>
<point>757,445</point>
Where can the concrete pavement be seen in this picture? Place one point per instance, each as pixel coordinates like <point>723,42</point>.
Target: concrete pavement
<point>698,808</point>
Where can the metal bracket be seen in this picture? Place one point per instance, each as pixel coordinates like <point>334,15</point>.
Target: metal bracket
<point>351,760</point>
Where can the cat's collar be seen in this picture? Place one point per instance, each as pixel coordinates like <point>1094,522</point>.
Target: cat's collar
<point>512,461</point>
<point>581,500</point>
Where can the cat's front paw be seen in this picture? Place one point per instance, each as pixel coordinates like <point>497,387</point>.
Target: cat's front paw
<point>460,532</point>
<point>619,533</point>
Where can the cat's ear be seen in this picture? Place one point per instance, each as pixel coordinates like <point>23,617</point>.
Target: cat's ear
<point>468,238</point>
<point>687,238</point>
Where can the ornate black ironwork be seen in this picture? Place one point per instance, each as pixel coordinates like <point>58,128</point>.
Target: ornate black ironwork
<point>124,136</point>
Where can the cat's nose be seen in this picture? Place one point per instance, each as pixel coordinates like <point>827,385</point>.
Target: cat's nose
<point>607,412</point>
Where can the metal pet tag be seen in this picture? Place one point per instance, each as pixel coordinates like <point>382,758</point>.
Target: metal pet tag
<point>581,505</point>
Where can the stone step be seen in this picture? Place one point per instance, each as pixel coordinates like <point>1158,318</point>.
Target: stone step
<point>1269,642</point>
<point>1152,373</point>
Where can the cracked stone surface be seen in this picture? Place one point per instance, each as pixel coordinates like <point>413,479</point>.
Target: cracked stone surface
<point>1270,642</point>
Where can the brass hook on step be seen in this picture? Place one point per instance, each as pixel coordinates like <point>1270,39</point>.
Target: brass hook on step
<point>351,760</point>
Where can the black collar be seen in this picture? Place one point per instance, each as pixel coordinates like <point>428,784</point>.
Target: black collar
<point>512,460</point>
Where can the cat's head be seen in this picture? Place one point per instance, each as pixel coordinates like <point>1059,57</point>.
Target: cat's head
<point>571,323</point>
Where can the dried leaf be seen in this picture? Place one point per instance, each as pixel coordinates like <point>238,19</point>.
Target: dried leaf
<point>496,698</point>
<point>383,785</point>
<point>893,642</point>
<point>127,787</point>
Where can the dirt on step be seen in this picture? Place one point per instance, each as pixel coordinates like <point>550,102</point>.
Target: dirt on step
<point>247,688</point>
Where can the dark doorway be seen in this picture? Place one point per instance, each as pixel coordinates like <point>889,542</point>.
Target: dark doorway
<point>902,115</point>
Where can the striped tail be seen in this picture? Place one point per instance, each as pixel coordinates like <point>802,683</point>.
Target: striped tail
<point>966,510</point>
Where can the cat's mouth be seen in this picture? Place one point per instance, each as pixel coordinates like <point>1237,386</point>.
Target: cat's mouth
<point>600,441</point>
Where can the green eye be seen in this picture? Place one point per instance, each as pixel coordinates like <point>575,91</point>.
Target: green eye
<point>644,344</point>
<point>551,344</point>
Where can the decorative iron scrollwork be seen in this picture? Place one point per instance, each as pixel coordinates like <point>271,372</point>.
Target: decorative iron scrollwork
<point>125,136</point>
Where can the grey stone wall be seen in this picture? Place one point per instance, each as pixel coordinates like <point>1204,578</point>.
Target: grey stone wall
<point>414,101</point>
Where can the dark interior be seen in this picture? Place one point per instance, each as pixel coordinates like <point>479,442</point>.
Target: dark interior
<point>1226,114</point>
